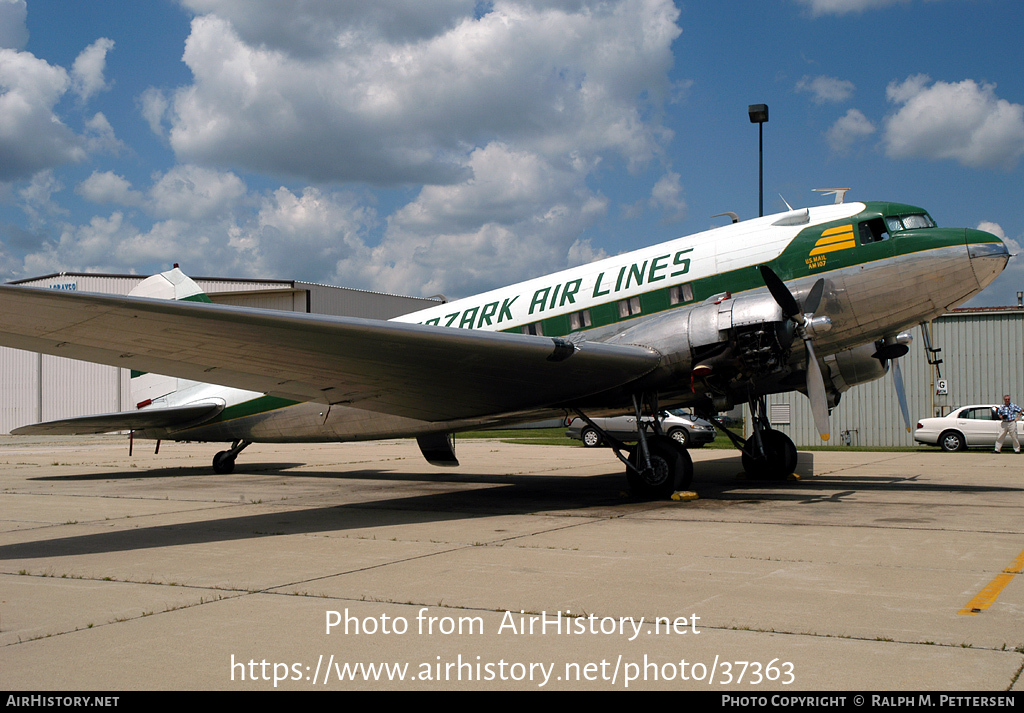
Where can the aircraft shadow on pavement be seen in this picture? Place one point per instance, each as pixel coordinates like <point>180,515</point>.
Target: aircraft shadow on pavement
<point>603,494</point>
<point>171,472</point>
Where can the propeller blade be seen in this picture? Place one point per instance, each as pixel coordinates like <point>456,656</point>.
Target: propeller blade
<point>816,393</point>
<point>783,297</point>
<point>814,296</point>
<point>901,393</point>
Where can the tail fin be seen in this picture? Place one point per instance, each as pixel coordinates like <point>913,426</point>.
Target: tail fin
<point>171,285</point>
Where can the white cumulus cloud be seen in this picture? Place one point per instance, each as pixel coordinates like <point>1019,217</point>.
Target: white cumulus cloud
<point>962,121</point>
<point>108,187</point>
<point>518,216</point>
<point>844,7</point>
<point>385,106</point>
<point>826,90</point>
<point>850,128</point>
<point>87,71</point>
<point>667,194</point>
<point>32,136</point>
<point>189,192</point>
<point>499,111</point>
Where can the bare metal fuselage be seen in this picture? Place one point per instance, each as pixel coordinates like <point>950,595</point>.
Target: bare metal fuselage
<point>865,302</point>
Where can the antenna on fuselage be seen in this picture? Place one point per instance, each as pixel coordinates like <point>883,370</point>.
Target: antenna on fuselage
<point>735,218</point>
<point>788,206</point>
<point>839,193</point>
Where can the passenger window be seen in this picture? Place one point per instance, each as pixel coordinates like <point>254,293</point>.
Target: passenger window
<point>873,231</point>
<point>680,294</point>
<point>580,320</point>
<point>629,307</point>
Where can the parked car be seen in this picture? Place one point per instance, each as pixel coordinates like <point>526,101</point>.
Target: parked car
<point>688,430</point>
<point>963,427</point>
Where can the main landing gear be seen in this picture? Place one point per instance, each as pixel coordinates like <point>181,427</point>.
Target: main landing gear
<point>768,454</point>
<point>224,462</point>
<point>658,465</point>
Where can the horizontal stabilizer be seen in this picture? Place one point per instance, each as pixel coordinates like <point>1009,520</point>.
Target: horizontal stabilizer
<point>170,417</point>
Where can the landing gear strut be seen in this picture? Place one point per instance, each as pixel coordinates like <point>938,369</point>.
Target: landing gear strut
<point>669,468</point>
<point>768,454</point>
<point>776,460</point>
<point>224,462</point>
<point>658,465</point>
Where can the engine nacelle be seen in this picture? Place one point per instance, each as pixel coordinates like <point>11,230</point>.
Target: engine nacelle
<point>855,366</point>
<point>748,335</point>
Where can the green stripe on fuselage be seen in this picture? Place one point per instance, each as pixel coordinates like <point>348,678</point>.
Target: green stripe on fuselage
<point>253,407</point>
<point>791,264</point>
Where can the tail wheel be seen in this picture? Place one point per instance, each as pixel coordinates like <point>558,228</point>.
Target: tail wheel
<point>223,463</point>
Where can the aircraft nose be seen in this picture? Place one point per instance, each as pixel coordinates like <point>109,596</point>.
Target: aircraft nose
<point>988,255</point>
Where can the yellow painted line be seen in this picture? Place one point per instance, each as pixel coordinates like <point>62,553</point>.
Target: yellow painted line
<point>827,238</point>
<point>845,237</point>
<point>835,231</point>
<point>987,596</point>
<point>832,248</point>
<point>1017,566</point>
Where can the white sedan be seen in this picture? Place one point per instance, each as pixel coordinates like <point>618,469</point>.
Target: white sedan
<point>961,428</point>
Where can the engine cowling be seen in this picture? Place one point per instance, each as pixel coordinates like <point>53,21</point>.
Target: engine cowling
<point>855,366</point>
<point>731,338</point>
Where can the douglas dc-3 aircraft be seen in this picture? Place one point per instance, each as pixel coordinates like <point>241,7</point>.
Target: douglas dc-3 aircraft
<point>813,300</point>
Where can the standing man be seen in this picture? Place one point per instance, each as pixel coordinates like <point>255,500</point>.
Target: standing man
<point>1008,413</point>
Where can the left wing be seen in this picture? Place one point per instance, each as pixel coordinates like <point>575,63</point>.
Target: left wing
<point>419,371</point>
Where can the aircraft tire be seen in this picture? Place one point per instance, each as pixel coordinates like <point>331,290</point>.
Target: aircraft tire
<point>672,469</point>
<point>781,458</point>
<point>223,463</point>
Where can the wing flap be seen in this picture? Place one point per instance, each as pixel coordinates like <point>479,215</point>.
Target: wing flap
<point>419,371</point>
<point>173,417</point>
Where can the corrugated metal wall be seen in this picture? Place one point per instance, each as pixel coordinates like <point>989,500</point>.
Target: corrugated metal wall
<point>40,388</point>
<point>983,358</point>
<point>324,299</point>
<point>288,300</point>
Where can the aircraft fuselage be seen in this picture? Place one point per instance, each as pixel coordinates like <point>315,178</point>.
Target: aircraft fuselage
<point>885,267</point>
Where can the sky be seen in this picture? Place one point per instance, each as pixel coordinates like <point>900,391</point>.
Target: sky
<point>454,146</point>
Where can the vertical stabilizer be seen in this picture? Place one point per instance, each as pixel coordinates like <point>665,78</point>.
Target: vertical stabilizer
<point>171,285</point>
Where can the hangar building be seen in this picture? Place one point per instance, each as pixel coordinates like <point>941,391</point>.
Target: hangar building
<point>39,387</point>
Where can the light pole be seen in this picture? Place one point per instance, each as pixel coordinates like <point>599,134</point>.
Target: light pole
<point>759,115</point>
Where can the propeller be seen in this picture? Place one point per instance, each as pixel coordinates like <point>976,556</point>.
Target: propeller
<point>807,324</point>
<point>890,350</point>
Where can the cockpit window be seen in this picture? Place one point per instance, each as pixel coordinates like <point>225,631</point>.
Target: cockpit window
<point>915,221</point>
<point>873,231</point>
